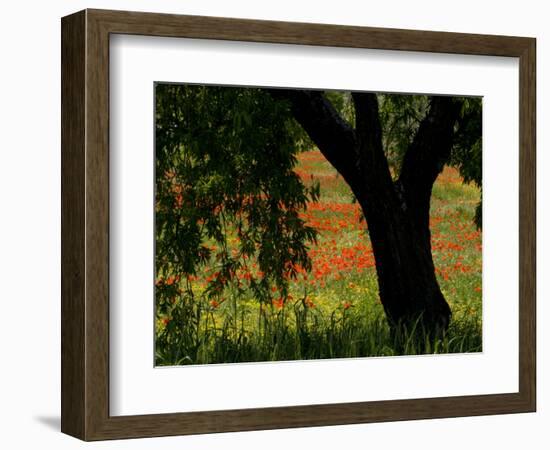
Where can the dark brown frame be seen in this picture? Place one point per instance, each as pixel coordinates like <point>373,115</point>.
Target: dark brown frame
<point>85,224</point>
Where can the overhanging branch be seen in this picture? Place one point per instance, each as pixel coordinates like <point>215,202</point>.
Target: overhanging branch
<point>334,137</point>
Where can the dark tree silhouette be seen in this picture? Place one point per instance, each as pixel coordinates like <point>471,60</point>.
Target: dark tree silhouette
<point>397,212</point>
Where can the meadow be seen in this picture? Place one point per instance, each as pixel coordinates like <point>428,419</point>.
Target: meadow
<point>334,310</point>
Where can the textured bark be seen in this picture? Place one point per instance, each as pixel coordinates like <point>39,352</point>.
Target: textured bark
<point>397,213</point>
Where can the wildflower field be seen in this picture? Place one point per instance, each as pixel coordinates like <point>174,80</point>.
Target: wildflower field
<point>333,310</point>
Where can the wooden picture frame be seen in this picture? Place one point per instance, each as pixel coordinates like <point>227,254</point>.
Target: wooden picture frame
<point>85,224</point>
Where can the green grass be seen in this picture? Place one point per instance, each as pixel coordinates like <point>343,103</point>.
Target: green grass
<point>335,310</point>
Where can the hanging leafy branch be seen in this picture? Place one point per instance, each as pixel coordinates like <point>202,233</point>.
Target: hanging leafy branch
<point>227,197</point>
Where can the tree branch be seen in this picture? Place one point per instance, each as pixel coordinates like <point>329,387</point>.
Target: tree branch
<point>374,163</point>
<point>334,137</point>
<point>427,155</point>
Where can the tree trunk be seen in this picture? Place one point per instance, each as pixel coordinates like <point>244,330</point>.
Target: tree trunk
<point>409,291</point>
<point>397,212</point>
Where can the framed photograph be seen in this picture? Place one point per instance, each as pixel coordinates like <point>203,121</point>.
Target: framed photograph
<point>272,225</point>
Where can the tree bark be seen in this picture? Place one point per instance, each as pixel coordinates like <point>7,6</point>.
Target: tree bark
<point>397,213</point>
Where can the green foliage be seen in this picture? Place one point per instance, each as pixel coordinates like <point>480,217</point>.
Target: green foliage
<point>226,195</point>
<point>467,151</point>
<point>343,103</point>
<point>400,116</point>
<point>302,333</point>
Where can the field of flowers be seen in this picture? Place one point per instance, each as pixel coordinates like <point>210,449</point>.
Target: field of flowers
<point>343,261</point>
<point>335,310</point>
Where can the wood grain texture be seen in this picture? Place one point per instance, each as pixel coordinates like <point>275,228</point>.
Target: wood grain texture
<point>152,24</point>
<point>97,226</point>
<point>85,224</point>
<point>527,224</point>
<point>73,109</point>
